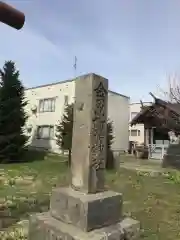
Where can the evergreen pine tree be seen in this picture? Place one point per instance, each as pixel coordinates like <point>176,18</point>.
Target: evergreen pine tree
<point>64,134</point>
<point>12,114</point>
<point>64,130</point>
<point>110,137</point>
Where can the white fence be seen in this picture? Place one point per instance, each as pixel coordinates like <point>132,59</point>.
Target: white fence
<point>157,151</point>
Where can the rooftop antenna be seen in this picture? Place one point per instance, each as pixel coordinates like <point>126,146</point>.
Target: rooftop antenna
<point>75,66</point>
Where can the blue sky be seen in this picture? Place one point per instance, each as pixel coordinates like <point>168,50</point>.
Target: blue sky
<point>133,43</point>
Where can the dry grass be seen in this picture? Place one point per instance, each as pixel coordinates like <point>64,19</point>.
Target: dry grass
<point>155,202</point>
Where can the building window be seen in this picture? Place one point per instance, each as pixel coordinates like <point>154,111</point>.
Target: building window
<point>133,114</point>
<point>45,132</point>
<point>66,100</point>
<point>135,132</point>
<point>47,105</point>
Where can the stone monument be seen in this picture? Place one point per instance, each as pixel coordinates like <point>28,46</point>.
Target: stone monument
<point>85,209</point>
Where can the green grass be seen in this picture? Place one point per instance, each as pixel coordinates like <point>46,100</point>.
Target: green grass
<point>154,201</point>
<point>130,159</point>
<point>31,195</point>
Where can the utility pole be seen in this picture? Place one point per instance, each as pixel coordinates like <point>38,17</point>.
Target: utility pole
<point>11,16</point>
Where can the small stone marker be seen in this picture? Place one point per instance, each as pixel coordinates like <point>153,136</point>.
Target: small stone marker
<point>84,210</point>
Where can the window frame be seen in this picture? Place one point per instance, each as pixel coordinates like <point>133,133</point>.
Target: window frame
<point>138,132</point>
<point>52,103</point>
<point>45,126</point>
<point>135,131</point>
<point>66,100</point>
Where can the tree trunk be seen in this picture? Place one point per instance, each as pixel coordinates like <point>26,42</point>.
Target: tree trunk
<point>69,157</point>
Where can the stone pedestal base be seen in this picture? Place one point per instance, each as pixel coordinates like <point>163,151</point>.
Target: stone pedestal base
<point>86,211</point>
<point>44,227</point>
<point>75,215</point>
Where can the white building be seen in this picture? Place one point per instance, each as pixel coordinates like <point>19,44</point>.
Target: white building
<point>136,132</point>
<point>46,106</point>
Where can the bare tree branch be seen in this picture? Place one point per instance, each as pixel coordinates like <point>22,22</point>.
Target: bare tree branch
<point>172,93</point>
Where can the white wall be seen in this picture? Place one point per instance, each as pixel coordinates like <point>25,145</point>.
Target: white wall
<point>136,108</point>
<point>47,118</point>
<point>118,111</point>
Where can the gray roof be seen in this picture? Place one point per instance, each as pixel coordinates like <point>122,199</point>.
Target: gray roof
<point>71,80</point>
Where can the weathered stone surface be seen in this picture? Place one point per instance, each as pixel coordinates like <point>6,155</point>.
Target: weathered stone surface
<point>89,133</point>
<point>131,228</point>
<point>43,226</point>
<point>86,211</point>
<point>172,156</point>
